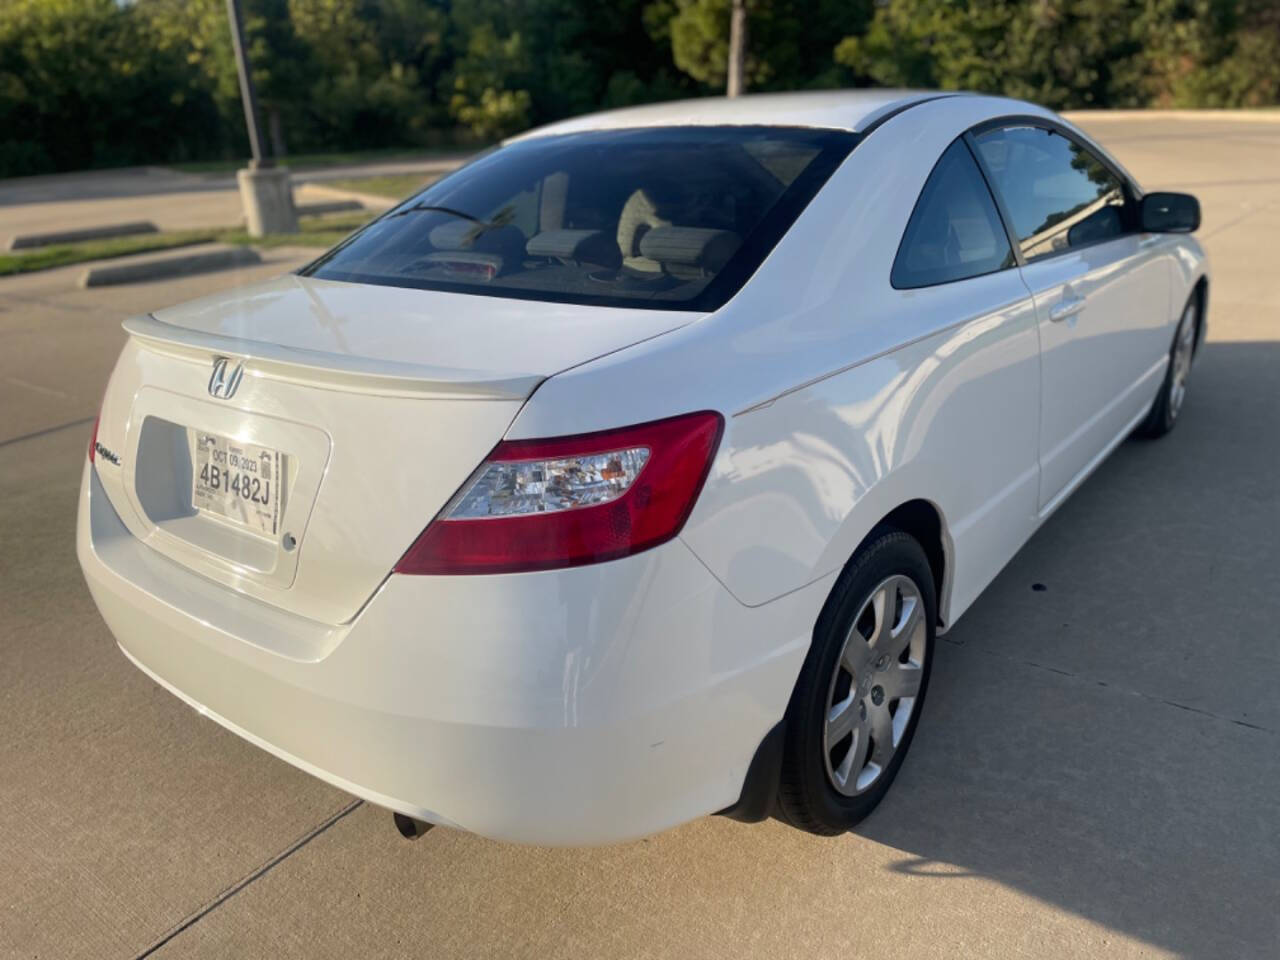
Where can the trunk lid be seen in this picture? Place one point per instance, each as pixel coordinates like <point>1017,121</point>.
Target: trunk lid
<point>450,343</point>
<point>359,410</point>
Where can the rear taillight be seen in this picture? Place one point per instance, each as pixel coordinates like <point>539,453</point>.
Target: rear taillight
<point>567,501</point>
<point>93,438</point>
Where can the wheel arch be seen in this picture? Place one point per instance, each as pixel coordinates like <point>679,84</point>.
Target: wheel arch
<point>923,521</point>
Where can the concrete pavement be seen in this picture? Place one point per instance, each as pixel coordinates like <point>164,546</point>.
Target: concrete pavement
<point>1096,772</point>
<point>169,198</point>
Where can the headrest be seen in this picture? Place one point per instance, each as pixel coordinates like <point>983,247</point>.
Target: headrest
<point>690,246</point>
<point>581,246</point>
<point>455,234</point>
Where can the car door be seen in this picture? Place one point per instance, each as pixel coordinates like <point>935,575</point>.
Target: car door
<point>1101,292</point>
<point>956,265</point>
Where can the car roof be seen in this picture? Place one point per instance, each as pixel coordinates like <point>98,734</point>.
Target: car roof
<point>852,110</point>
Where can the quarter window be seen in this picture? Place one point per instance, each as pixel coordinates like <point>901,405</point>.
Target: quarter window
<point>955,231</point>
<point>1058,194</point>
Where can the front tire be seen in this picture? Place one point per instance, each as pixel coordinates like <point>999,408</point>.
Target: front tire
<point>862,687</point>
<point>1173,391</point>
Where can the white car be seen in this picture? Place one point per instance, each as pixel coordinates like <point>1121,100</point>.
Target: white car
<point>628,473</point>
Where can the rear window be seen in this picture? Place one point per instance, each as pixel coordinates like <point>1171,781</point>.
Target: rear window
<point>671,218</point>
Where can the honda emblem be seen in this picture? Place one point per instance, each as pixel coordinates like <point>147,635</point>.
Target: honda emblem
<point>225,378</point>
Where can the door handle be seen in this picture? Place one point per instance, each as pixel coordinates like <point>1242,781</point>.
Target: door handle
<point>1066,307</point>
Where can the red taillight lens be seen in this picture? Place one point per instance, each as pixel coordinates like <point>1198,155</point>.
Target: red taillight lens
<point>567,501</point>
<point>93,438</point>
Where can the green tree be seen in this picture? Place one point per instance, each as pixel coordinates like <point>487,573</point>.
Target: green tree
<point>1077,53</point>
<point>98,82</point>
<point>789,41</point>
<point>489,81</point>
<point>196,33</point>
<point>82,85</point>
<point>329,73</point>
<point>360,92</point>
<point>1212,53</point>
<point>538,60</point>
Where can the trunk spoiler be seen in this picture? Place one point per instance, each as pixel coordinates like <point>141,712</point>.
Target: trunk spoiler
<point>333,370</point>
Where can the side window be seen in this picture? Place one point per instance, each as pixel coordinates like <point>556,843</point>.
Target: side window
<point>955,231</point>
<point>1058,194</point>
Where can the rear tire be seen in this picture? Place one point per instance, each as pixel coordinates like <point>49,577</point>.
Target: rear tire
<point>1173,390</point>
<point>862,687</point>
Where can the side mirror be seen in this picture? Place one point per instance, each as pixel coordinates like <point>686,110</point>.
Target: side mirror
<point>1170,213</point>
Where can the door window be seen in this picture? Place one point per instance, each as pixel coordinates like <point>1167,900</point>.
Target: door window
<point>955,231</point>
<point>1058,194</point>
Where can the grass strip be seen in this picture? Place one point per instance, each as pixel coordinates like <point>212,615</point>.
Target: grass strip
<point>391,186</point>
<point>46,258</point>
<point>321,232</point>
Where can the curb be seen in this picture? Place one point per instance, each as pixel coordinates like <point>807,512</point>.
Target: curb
<point>28,241</point>
<point>165,267</point>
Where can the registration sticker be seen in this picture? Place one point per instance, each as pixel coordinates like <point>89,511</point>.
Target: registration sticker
<point>240,482</point>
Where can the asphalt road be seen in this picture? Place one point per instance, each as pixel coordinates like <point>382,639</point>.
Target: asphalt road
<point>1097,771</point>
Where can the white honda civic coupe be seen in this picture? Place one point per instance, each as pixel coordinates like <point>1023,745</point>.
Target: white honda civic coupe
<point>629,473</point>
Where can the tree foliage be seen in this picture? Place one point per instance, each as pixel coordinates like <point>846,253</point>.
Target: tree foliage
<point>1077,53</point>
<point>87,83</point>
<point>789,45</point>
<point>82,85</point>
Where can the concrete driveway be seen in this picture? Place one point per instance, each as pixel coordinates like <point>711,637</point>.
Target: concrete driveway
<point>1097,772</point>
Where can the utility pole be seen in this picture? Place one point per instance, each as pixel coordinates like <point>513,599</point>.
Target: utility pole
<point>737,49</point>
<point>265,191</point>
<point>247,94</point>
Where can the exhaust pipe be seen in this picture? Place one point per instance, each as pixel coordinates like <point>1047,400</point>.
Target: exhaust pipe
<point>410,828</point>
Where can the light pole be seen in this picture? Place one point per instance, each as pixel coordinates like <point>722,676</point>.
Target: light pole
<point>264,188</point>
<point>737,79</point>
<point>247,94</point>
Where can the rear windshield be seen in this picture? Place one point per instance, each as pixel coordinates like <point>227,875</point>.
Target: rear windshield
<point>672,218</point>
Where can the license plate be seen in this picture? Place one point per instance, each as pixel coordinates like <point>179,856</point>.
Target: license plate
<point>239,482</point>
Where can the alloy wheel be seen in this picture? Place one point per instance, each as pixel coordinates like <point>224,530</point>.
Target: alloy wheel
<point>875,685</point>
<point>1183,351</point>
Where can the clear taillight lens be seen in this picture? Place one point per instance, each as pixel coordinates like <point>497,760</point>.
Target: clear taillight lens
<point>567,501</point>
<point>517,487</point>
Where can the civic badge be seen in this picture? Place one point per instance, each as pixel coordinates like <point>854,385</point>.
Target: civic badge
<point>225,378</point>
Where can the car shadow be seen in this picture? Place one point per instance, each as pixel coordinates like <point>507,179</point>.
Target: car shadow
<point>1109,742</point>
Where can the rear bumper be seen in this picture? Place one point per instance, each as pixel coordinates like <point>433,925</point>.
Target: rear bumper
<point>578,706</point>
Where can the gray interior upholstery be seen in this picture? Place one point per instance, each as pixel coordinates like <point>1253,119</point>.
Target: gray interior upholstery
<point>576,246</point>
<point>696,248</point>
<point>501,246</point>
